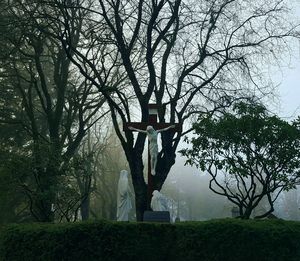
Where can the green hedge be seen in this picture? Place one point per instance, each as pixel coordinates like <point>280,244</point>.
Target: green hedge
<point>210,240</point>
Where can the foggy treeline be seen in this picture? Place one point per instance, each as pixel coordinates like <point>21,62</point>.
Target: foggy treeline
<point>188,187</point>
<point>90,188</point>
<point>74,74</point>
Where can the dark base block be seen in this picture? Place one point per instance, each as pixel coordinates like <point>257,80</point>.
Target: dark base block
<point>157,216</point>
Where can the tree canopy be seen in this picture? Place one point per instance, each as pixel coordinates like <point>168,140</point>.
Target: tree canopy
<point>249,154</point>
<point>187,56</point>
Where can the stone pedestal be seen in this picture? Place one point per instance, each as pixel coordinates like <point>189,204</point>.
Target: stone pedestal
<point>157,216</point>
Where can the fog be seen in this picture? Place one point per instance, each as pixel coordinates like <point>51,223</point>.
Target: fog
<point>189,188</point>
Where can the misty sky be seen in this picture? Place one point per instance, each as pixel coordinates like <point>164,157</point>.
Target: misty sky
<point>286,102</point>
<point>289,80</point>
<point>289,91</point>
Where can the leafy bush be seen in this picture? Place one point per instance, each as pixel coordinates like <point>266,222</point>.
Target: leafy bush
<point>233,239</point>
<point>250,155</point>
<point>210,240</point>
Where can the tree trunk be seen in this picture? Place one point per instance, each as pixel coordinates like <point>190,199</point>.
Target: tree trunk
<point>165,160</point>
<point>247,213</point>
<point>85,208</point>
<point>140,188</point>
<point>44,198</point>
<point>46,177</point>
<point>140,202</point>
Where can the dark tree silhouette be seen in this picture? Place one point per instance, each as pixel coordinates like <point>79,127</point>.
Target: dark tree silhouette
<point>249,155</point>
<point>189,57</point>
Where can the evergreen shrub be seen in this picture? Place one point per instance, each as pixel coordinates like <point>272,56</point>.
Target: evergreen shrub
<point>227,239</point>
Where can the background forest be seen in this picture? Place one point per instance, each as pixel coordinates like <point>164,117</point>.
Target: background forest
<point>74,72</point>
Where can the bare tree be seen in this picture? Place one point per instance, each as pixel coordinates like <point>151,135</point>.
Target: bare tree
<point>189,57</point>
<point>57,104</point>
<point>89,189</point>
<point>109,162</point>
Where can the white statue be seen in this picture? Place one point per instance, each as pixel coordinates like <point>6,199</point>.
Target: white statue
<point>123,199</point>
<point>153,147</point>
<point>159,202</point>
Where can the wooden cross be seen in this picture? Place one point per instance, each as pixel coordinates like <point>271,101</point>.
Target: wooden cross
<point>152,121</point>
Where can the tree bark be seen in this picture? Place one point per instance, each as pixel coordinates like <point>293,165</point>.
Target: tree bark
<point>140,187</point>
<point>85,208</point>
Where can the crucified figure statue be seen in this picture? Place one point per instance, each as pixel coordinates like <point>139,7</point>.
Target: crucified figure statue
<point>153,147</point>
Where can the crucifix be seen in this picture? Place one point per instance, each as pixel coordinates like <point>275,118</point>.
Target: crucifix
<point>151,129</point>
